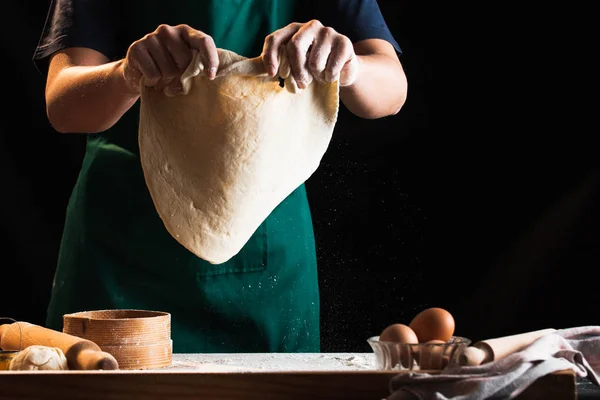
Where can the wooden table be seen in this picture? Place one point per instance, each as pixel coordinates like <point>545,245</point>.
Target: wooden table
<point>237,377</point>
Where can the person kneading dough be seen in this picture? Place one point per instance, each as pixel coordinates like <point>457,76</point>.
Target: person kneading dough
<point>191,195</point>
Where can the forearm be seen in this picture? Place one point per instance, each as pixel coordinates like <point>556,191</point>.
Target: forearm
<point>88,99</point>
<point>379,90</point>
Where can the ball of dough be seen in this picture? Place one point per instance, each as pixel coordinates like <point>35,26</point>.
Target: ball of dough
<point>39,358</point>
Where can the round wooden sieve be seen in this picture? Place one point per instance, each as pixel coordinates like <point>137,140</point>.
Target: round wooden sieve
<point>138,339</point>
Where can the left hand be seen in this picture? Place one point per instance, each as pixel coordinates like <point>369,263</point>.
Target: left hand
<point>313,51</point>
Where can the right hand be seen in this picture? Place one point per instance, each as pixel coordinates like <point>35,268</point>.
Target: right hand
<point>163,55</point>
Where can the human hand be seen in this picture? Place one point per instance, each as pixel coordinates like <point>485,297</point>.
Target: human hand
<point>163,55</point>
<point>313,51</point>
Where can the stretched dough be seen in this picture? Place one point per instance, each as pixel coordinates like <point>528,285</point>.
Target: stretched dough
<point>39,358</point>
<point>218,159</point>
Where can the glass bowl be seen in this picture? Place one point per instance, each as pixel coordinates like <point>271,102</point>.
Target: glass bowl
<point>417,357</point>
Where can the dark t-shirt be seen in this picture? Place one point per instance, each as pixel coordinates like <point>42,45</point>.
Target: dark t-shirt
<point>103,25</point>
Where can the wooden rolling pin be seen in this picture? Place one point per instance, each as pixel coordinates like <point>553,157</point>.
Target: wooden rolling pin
<point>81,354</point>
<point>498,348</point>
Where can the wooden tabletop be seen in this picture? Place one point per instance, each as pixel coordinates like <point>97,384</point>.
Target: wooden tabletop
<point>237,377</point>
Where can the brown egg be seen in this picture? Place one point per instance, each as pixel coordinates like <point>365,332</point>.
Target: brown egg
<point>400,353</point>
<point>432,357</point>
<point>398,333</point>
<point>433,324</point>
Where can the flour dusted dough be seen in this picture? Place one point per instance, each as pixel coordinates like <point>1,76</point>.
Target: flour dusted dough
<point>39,358</point>
<point>220,158</point>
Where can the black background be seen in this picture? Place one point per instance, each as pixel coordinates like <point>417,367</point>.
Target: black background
<point>480,196</point>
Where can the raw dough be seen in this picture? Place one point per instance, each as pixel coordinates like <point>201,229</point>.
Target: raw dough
<point>218,159</point>
<point>39,358</point>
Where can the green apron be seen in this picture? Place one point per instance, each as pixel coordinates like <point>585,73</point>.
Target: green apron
<point>116,253</point>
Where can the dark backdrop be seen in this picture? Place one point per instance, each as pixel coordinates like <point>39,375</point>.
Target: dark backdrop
<point>478,201</point>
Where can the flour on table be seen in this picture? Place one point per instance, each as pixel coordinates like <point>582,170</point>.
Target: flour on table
<point>266,362</point>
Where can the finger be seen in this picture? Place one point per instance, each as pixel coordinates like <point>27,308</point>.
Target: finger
<point>182,57</point>
<point>319,54</point>
<point>349,72</point>
<point>297,58</point>
<point>177,47</point>
<point>131,70</point>
<point>140,59</point>
<point>297,51</point>
<point>341,53</point>
<point>284,65</point>
<point>272,47</point>
<point>163,60</point>
<point>207,49</point>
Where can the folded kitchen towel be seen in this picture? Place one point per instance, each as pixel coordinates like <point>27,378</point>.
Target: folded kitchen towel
<point>576,349</point>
